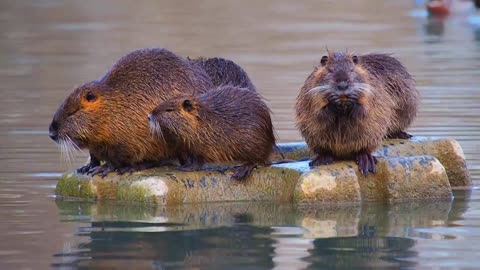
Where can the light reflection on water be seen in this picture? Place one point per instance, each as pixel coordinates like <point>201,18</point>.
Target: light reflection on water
<point>48,47</point>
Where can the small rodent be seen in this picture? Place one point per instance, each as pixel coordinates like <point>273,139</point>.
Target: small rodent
<point>224,72</point>
<point>222,125</point>
<point>109,116</point>
<point>350,103</point>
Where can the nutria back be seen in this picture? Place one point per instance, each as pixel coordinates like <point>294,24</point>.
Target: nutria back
<point>225,72</point>
<point>109,116</point>
<point>225,124</point>
<point>394,78</point>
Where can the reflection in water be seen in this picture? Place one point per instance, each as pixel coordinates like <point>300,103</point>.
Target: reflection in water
<point>253,235</point>
<point>435,26</point>
<point>362,252</point>
<point>47,47</point>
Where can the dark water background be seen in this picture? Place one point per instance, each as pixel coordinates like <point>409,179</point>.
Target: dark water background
<point>47,47</point>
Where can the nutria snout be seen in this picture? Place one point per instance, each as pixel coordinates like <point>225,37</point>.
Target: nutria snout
<point>53,131</point>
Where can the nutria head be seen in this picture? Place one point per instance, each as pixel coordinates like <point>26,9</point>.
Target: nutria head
<point>78,117</point>
<point>340,85</point>
<point>174,117</point>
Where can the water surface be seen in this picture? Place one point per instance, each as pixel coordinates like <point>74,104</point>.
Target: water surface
<point>48,47</point>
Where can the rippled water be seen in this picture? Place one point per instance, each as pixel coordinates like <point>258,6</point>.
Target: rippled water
<point>47,47</point>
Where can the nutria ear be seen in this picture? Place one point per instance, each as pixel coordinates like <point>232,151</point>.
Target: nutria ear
<point>187,105</point>
<point>355,59</point>
<point>324,60</point>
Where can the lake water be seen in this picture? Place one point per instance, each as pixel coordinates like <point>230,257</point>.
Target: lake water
<point>47,47</point>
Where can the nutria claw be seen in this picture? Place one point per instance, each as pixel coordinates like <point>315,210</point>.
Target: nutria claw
<point>102,170</point>
<point>93,164</point>
<point>87,168</point>
<point>399,135</point>
<point>243,171</point>
<point>366,163</point>
<point>321,159</point>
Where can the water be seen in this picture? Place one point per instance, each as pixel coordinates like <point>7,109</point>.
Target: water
<point>47,47</point>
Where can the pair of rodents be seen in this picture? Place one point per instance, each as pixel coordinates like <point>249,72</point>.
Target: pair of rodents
<point>207,110</point>
<point>109,116</point>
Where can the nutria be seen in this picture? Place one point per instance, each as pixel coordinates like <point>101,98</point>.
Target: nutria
<point>350,103</point>
<point>109,116</point>
<point>222,125</point>
<point>224,72</point>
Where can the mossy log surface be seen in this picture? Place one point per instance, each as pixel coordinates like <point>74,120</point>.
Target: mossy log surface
<point>406,170</point>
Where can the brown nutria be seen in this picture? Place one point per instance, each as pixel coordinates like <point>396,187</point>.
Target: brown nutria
<point>350,103</point>
<point>222,125</point>
<point>223,72</point>
<point>109,116</point>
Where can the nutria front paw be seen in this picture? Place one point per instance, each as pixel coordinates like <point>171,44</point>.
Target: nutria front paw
<point>87,168</point>
<point>102,170</point>
<point>92,164</point>
<point>321,159</point>
<point>399,135</point>
<point>366,163</point>
<point>243,171</point>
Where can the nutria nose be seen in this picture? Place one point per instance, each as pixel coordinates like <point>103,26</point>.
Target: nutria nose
<point>53,130</point>
<point>342,86</point>
<point>150,117</point>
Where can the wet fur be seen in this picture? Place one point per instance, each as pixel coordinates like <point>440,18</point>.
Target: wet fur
<point>224,125</point>
<point>114,128</point>
<point>387,102</point>
<point>224,72</point>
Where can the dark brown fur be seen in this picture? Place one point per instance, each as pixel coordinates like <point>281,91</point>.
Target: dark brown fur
<point>113,124</point>
<point>378,99</point>
<point>223,125</point>
<point>225,72</point>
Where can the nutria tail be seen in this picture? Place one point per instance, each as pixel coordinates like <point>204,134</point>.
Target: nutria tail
<point>224,72</point>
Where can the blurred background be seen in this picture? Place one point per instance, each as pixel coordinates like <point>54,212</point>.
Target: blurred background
<point>47,47</point>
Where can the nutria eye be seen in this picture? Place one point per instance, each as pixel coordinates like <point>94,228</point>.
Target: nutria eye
<point>355,59</point>
<point>169,110</point>
<point>90,96</point>
<point>324,60</point>
<point>187,105</point>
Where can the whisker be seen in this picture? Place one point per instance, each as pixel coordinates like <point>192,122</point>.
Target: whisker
<point>319,88</point>
<point>156,130</point>
<point>364,87</point>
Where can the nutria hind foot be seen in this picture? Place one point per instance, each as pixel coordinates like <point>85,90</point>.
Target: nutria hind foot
<point>243,171</point>
<point>91,165</point>
<point>322,159</point>
<point>366,163</point>
<point>399,135</point>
